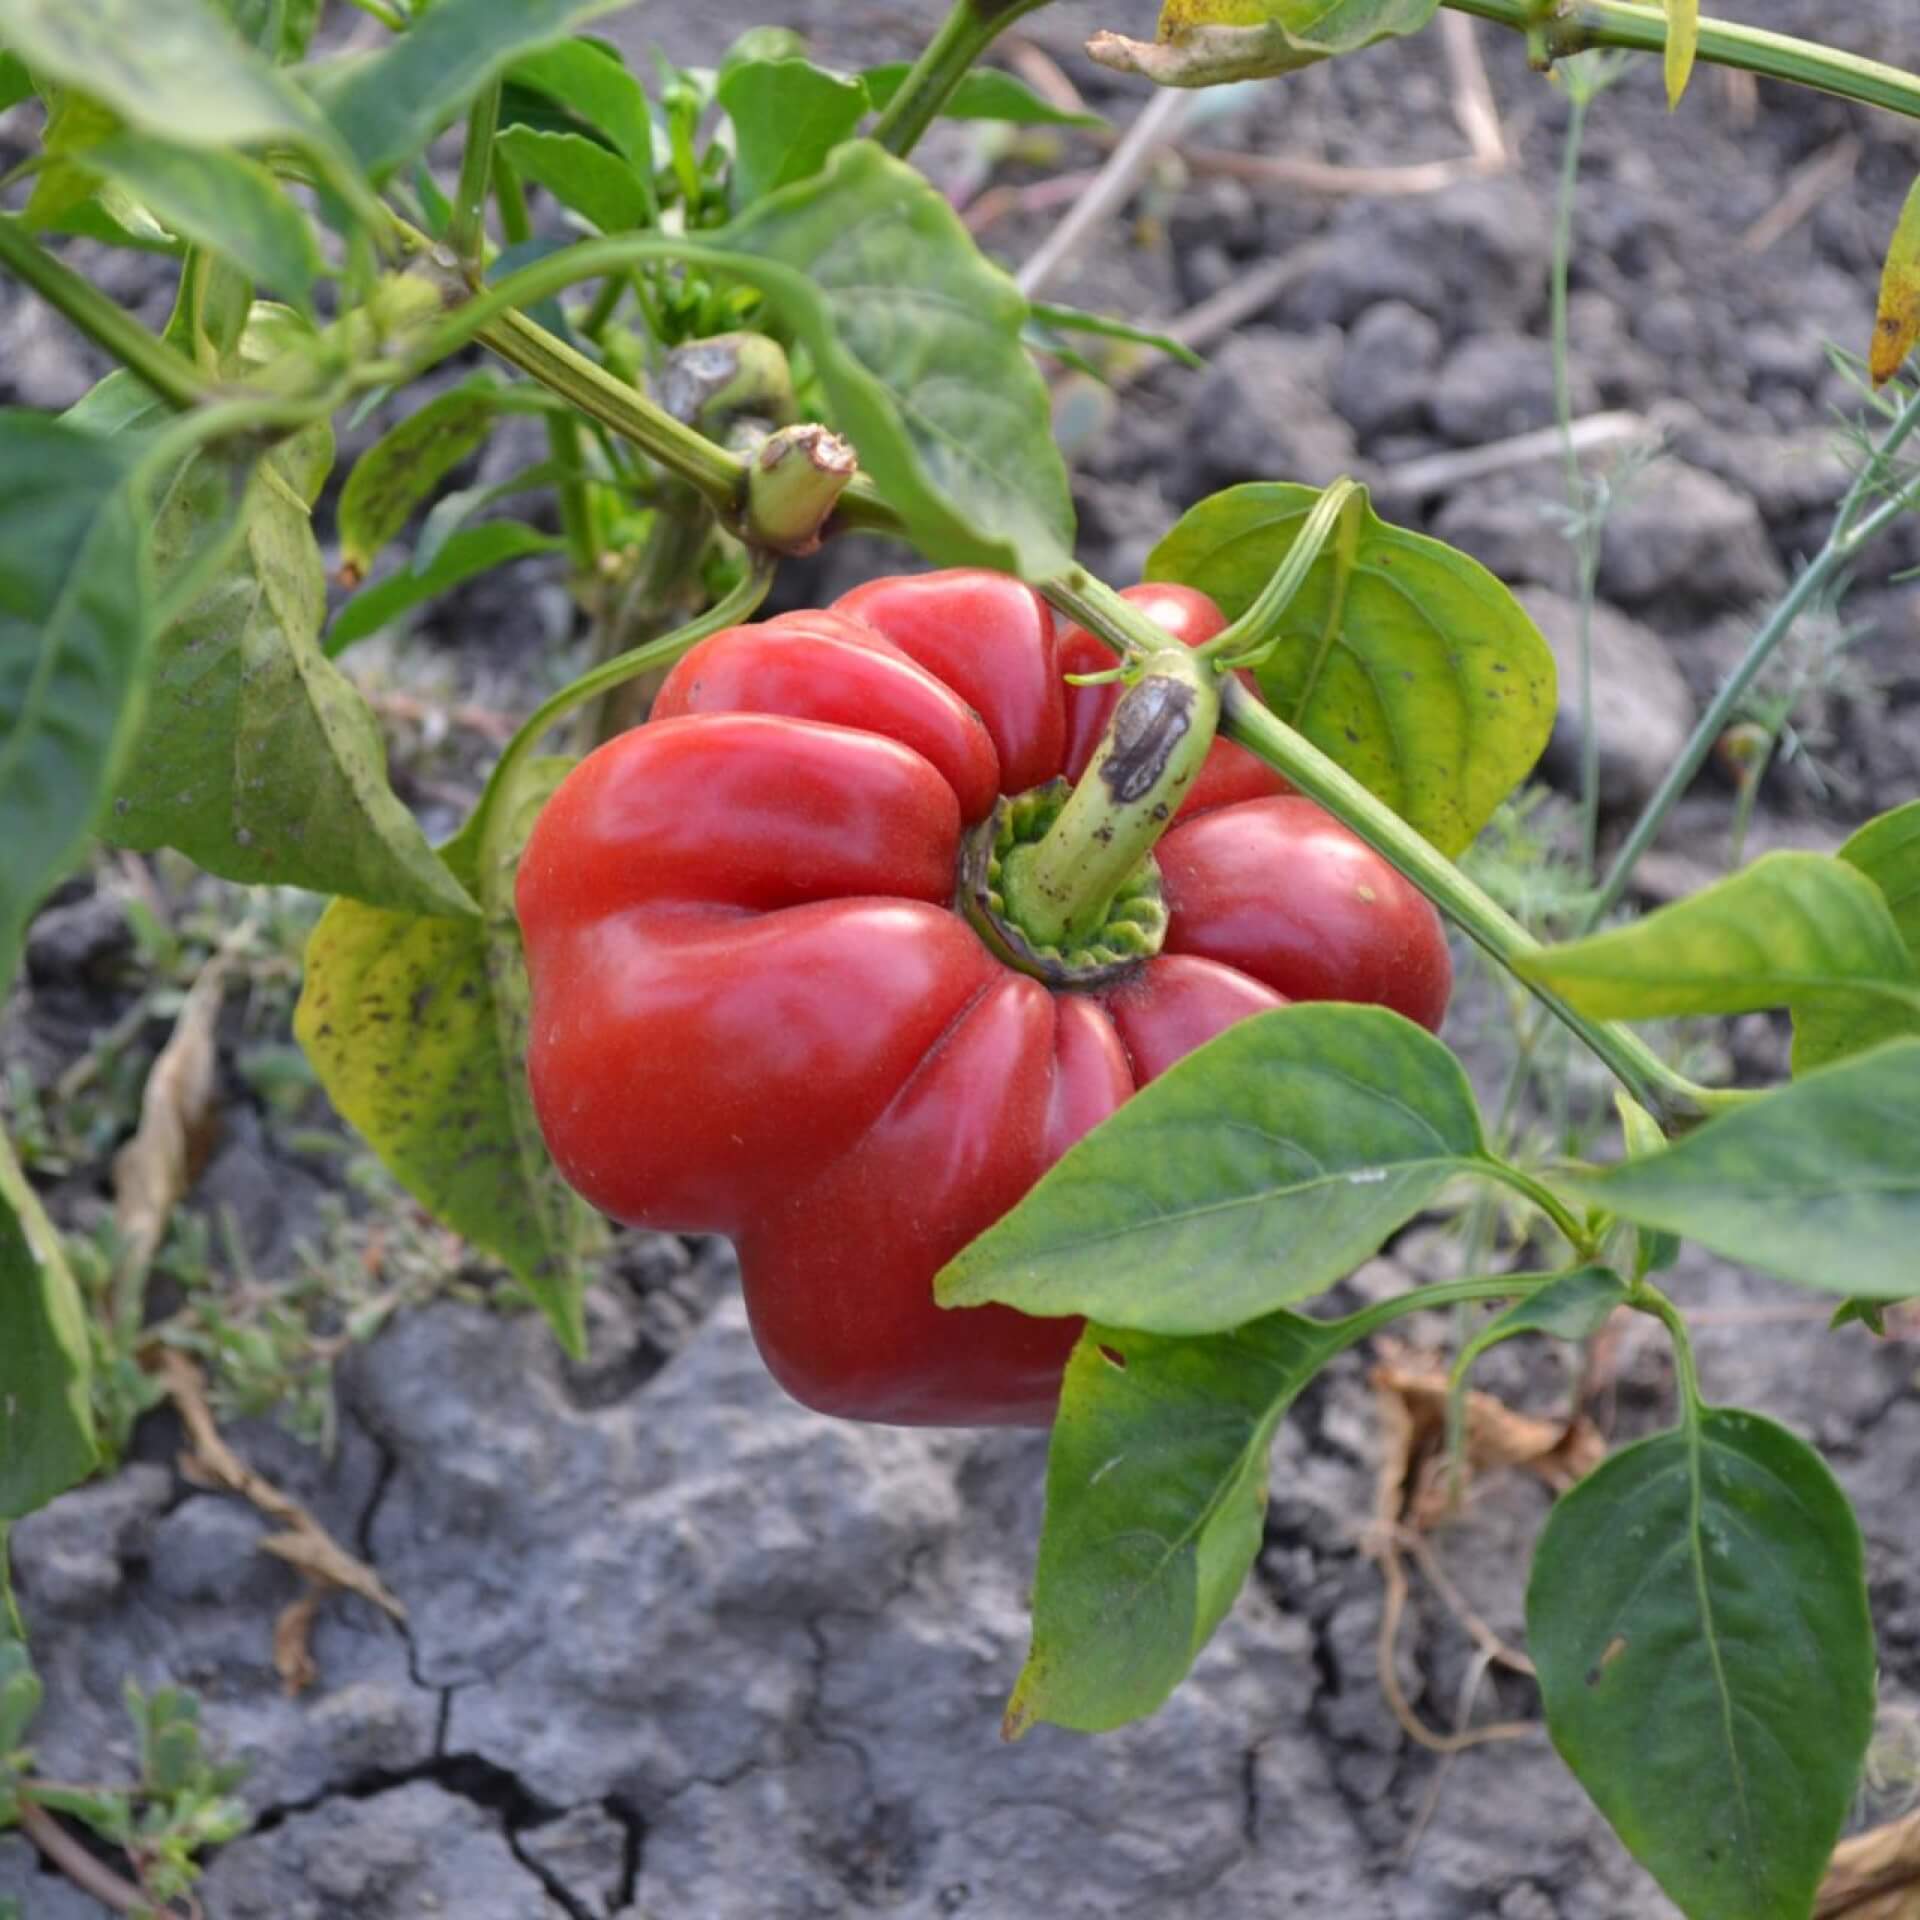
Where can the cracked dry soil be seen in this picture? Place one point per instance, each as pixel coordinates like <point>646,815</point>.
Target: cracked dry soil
<point>679,1649</point>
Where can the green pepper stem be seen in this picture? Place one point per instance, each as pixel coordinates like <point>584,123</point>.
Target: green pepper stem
<point>1059,889</point>
<point>961,38</point>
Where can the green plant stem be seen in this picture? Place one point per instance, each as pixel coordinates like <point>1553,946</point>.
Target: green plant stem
<point>1581,24</point>
<point>1354,1327</point>
<point>467,226</point>
<point>741,604</point>
<point>563,434</point>
<point>715,474</point>
<point>1339,507</point>
<point>1585,536</point>
<point>1657,1086</point>
<point>1549,1203</point>
<point>1843,544</point>
<point>1649,1299</point>
<point>388,17</point>
<point>963,36</point>
<point>169,373</point>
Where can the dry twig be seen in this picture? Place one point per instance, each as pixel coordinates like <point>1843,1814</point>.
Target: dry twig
<point>304,1543</point>
<point>1810,183</point>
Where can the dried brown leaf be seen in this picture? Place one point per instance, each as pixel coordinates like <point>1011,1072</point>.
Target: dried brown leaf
<point>293,1642</point>
<point>1874,1875</point>
<point>1413,1412</point>
<point>153,1171</point>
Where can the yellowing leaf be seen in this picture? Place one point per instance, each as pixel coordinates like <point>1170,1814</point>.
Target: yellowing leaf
<point>1208,43</point>
<point>1683,40</point>
<point>1897,325</point>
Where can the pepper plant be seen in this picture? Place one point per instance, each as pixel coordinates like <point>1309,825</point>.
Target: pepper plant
<point>1046,1003</point>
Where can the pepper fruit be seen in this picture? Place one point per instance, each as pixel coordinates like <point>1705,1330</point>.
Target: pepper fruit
<point>761,1006</point>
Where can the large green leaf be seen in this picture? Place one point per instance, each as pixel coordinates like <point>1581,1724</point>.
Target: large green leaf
<point>1818,1182</point>
<point>407,462</point>
<point>223,201</point>
<point>178,70</point>
<point>582,174</point>
<point>1156,1505</point>
<point>787,115</point>
<point>46,1417</point>
<point>259,759</point>
<point>1209,43</point>
<point>75,614</point>
<point>389,107</point>
<point>1406,662</point>
<point>1801,930</point>
<point>174,68</point>
<point>417,1028</point>
<point>1887,851</point>
<point>1698,1617</point>
<point>471,551</point>
<point>1345,1121</point>
<point>916,337</point>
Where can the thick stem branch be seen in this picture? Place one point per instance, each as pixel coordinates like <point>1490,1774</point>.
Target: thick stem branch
<point>170,374</point>
<point>1642,1072</point>
<point>963,36</point>
<point>1614,23</point>
<point>716,475</point>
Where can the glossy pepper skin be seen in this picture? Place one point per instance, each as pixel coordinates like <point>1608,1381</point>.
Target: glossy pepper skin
<point>756,1012</point>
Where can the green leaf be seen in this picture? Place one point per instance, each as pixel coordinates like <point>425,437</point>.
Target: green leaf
<point>471,551</point>
<point>20,1691</point>
<point>1698,1617</point>
<point>787,115</point>
<point>1871,1314</point>
<point>75,613</point>
<point>177,70</point>
<point>1794,929</point>
<point>16,83</point>
<point>1406,662</point>
<point>1818,1182</point>
<point>1896,324</point>
<point>46,1416</point>
<point>391,106</point>
<point>916,339</point>
<point>259,759</point>
<point>1347,1120</point>
<point>417,1029</point>
<point>1209,43</point>
<point>1683,42</point>
<point>583,175</point>
<point>219,200</point>
<point>407,463</point>
<point>1156,1505</point>
<point>1887,851</point>
<point>589,79</point>
<point>281,29</point>
<point>985,93</point>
